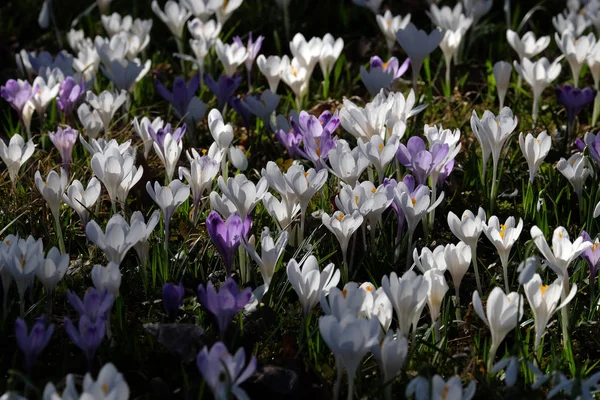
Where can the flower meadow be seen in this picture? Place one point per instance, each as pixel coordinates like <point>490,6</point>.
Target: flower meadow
<point>251,199</point>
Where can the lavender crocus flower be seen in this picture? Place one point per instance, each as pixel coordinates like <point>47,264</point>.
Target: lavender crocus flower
<point>410,183</point>
<point>159,135</point>
<point>224,88</point>
<point>69,94</point>
<point>420,161</point>
<point>32,344</point>
<point>224,372</point>
<point>225,304</point>
<point>17,93</point>
<point>253,47</point>
<point>316,136</point>
<point>87,336</point>
<point>172,296</point>
<point>64,140</point>
<point>593,144</point>
<point>592,258</point>
<point>290,140</point>
<point>574,99</point>
<point>95,304</point>
<point>390,66</point>
<point>227,235</point>
<point>182,93</point>
<point>381,75</point>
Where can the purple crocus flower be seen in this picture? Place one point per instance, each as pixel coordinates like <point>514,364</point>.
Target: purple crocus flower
<point>445,172</point>
<point>64,140</point>
<point>32,344</point>
<point>391,66</point>
<point>87,336</point>
<point>580,145</point>
<point>172,296</point>
<point>381,75</point>
<point>240,107</point>
<point>95,304</point>
<point>224,89</point>
<point>17,93</point>
<point>316,135</point>
<point>69,94</point>
<point>160,134</point>
<point>409,185</point>
<point>227,235</point>
<point>593,144</point>
<point>253,47</point>
<point>574,99</point>
<point>418,159</point>
<point>225,304</point>
<point>591,257</point>
<point>290,140</point>
<point>182,93</point>
<point>224,372</point>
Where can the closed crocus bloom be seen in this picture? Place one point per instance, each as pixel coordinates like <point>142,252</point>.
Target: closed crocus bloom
<point>544,302</point>
<point>81,200</point>
<point>349,340</point>
<point>415,206</point>
<point>172,297</point>
<point>52,189</point>
<point>91,121</point>
<point>574,100</point>
<point>408,295</point>
<point>87,63</point>
<point>231,55</point>
<point>593,62</point>
<point>538,75</point>
<point>305,185</point>
<point>64,140</point>
<point>270,252</point>
<point>503,313</point>
<point>227,235</point>
<point>224,304</point>
<point>125,73</point>
<point>380,152</point>
<point>200,176</point>
<point>390,24</point>
<point>243,193</point>
<point>87,335</point>
<point>114,23</point>
<point>420,161</point>
<point>535,150</point>
<point>527,46</point>
<point>283,212</point>
<point>264,106</point>
<point>226,9</point>
<point>168,147</point>
<point>141,128</point>
<point>107,278</point>
<point>430,260</point>
<point>503,237</point>
<point>168,198</point>
<point>449,45</point>
<point>106,104</point>
<point>330,52</point>
<point>575,50</point>
<point>437,290</point>
<point>216,363</point>
<point>52,269</point>
<point>69,94</point>
<point>457,258</point>
<point>576,169</point>
<point>47,90</point>
<point>272,68</point>
<point>343,227</point>
<point>468,229</point>
<point>502,72</point>
<point>296,76</point>
<point>33,343</point>
<point>23,258</point>
<point>418,45</point>
<point>308,281</point>
<point>390,354</point>
<point>347,164</point>
<point>117,239</point>
<point>142,247</point>
<point>16,154</point>
<point>174,16</point>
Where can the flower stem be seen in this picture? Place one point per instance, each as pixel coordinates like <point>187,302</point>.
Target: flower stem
<point>59,234</point>
<point>505,273</point>
<point>409,250</point>
<point>491,357</point>
<point>564,312</point>
<point>474,260</point>
<point>350,388</point>
<point>302,218</point>
<point>458,312</point>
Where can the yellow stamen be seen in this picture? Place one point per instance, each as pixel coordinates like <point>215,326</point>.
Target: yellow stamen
<point>356,199</point>
<point>341,216</point>
<point>543,288</point>
<point>414,201</point>
<point>294,72</point>
<point>373,190</point>
<point>389,22</point>
<point>204,151</point>
<point>105,388</point>
<point>369,288</point>
<point>497,123</point>
<point>385,64</point>
<point>345,293</point>
<point>305,174</point>
<point>381,147</point>
<point>560,235</point>
<point>539,141</point>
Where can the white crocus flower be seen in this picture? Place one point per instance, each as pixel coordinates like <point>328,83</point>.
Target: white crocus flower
<point>47,90</point>
<point>457,258</point>
<point>575,51</point>
<point>576,169</point>
<point>368,121</point>
<point>109,384</point>
<point>272,68</point>
<point>174,16</point>
<point>308,53</point>
<point>223,135</point>
<point>415,208</point>
<point>503,237</point>
<point>349,340</point>
<point>379,152</point>
<point>87,61</point>
<point>439,388</point>
<point>52,269</point>
<point>305,185</point>
<point>535,150</point>
<point>390,24</point>
<point>114,23</point>
<point>492,132</point>
<point>544,302</point>
<point>283,212</point>
<point>23,258</point>
<point>468,229</point>
<point>435,135</point>
<point>538,75</point>
<point>142,247</point>
<point>231,55</point>
<point>502,72</point>
<point>347,164</point>
<point>308,282</point>
<point>200,176</point>
<point>226,9</point>
<point>52,189</point>
<point>106,104</point>
<point>90,119</point>
<point>168,198</point>
<point>125,73</point>
<point>117,239</point>
<point>169,153</point>
<point>343,227</point>
<point>141,128</point>
<point>449,18</point>
<point>81,200</point>
<point>270,253</point>
<point>221,204</point>
<point>16,154</point>
<point>436,292</point>
<point>243,193</point>
<point>430,260</point>
<point>527,46</point>
<point>449,45</point>
<point>108,278</point>
<point>202,9</point>
<point>296,76</point>
<point>380,307</point>
<point>418,45</point>
<point>503,313</point>
<point>408,296</point>
<point>330,52</point>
